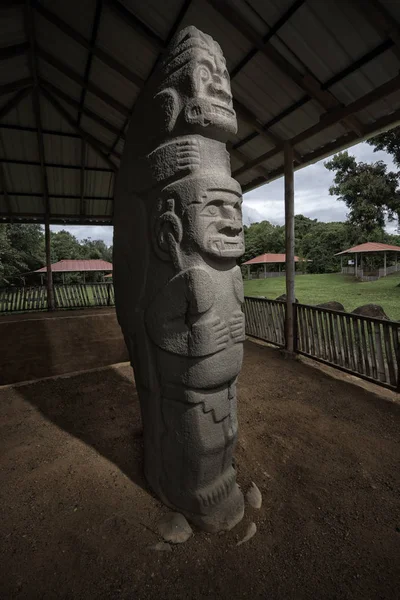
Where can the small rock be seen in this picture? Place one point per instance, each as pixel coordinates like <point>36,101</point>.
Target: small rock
<point>174,528</point>
<point>332,305</point>
<point>371,310</point>
<point>161,547</point>
<point>253,496</point>
<point>251,530</point>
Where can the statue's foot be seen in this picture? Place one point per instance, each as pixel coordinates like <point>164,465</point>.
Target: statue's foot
<point>223,516</point>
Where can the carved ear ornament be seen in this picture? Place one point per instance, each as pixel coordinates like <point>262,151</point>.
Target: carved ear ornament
<point>167,229</point>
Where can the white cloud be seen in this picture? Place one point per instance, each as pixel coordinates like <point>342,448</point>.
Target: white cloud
<point>95,232</point>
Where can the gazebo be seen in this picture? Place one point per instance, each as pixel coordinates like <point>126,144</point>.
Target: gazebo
<point>77,266</point>
<point>368,248</point>
<point>268,259</point>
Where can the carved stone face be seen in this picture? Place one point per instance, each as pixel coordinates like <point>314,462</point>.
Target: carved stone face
<point>214,225</point>
<point>212,99</point>
<point>194,86</point>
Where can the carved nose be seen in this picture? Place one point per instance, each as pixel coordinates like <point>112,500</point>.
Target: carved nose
<point>218,90</point>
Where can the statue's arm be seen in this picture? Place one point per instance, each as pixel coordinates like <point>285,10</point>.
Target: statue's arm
<point>180,320</point>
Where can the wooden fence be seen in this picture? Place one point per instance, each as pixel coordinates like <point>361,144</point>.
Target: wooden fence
<point>80,295</point>
<point>362,346</point>
<point>265,319</point>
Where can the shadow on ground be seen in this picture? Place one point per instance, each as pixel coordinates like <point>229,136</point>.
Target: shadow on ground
<point>76,519</point>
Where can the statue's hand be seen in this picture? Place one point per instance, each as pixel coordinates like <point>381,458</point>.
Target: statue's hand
<point>236,327</point>
<point>208,336</point>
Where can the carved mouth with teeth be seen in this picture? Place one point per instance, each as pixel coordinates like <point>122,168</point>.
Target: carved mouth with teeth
<point>227,245</point>
<point>218,109</point>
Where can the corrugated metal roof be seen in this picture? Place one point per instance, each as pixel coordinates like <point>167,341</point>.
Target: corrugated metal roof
<point>269,259</point>
<point>293,63</point>
<point>69,266</point>
<point>371,247</point>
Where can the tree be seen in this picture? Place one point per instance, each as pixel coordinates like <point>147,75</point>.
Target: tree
<point>21,250</point>
<point>96,249</point>
<point>388,141</point>
<point>369,191</point>
<point>64,246</point>
<point>320,245</point>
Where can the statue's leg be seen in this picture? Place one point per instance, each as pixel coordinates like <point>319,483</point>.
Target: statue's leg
<point>197,444</point>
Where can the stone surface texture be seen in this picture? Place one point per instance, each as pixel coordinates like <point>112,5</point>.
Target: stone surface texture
<point>174,528</point>
<point>177,235</point>
<point>253,496</point>
<point>371,310</point>
<point>250,532</point>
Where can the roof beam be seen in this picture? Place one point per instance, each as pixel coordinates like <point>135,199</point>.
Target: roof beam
<point>3,186</point>
<point>93,143</point>
<point>66,196</point>
<point>88,67</point>
<point>306,81</point>
<point>252,120</point>
<point>13,86</point>
<point>106,58</point>
<point>244,159</point>
<point>82,179</point>
<point>15,100</point>
<point>363,60</point>
<point>381,20</point>
<point>273,31</point>
<point>34,163</point>
<point>72,102</point>
<point>349,139</point>
<point>93,89</point>
<point>330,119</point>
<point>13,51</point>
<point>136,24</point>
<point>30,33</point>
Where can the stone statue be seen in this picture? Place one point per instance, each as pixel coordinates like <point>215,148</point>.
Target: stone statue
<point>177,234</point>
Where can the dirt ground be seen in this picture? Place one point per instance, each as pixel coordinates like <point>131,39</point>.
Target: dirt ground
<point>76,519</point>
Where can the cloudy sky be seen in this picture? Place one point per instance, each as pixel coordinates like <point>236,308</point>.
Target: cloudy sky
<point>312,198</point>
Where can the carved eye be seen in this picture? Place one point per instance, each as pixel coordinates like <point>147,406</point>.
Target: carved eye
<point>212,210</point>
<point>204,74</point>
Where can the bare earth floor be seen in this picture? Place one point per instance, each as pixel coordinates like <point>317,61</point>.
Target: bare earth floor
<point>77,520</point>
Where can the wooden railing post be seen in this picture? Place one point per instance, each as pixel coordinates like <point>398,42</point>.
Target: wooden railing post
<point>289,237</point>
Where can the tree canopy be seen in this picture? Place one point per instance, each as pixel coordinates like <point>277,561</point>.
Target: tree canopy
<point>369,191</point>
<point>22,249</point>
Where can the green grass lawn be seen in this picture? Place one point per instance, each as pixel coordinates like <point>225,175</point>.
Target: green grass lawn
<point>315,289</point>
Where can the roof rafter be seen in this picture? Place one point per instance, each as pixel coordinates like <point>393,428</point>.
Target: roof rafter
<point>13,51</point>
<point>341,143</point>
<point>88,67</point>
<point>30,33</point>
<point>14,101</point>
<point>82,177</point>
<point>13,86</point>
<point>308,82</point>
<point>134,22</point>
<point>381,20</point>
<point>3,186</point>
<point>75,103</point>
<point>248,116</point>
<point>83,134</point>
<point>106,58</point>
<point>363,60</point>
<point>329,119</point>
<point>34,163</point>
<point>93,89</point>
